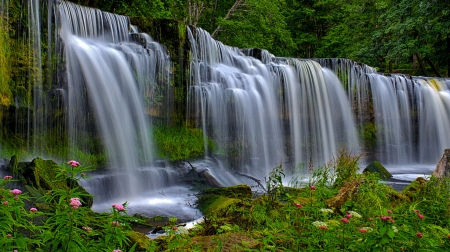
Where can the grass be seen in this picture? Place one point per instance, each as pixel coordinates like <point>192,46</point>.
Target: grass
<point>179,143</point>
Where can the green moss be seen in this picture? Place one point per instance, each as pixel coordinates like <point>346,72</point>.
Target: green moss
<point>377,167</point>
<point>216,199</point>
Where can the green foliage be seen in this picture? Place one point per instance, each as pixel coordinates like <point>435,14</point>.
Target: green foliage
<point>345,166</point>
<point>179,143</point>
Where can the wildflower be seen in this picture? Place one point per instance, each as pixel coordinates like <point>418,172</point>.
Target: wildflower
<point>395,229</point>
<point>15,250</point>
<point>367,229</point>
<point>386,218</point>
<point>345,220</point>
<point>33,209</point>
<point>419,234</point>
<point>319,224</point>
<point>175,228</point>
<point>389,211</point>
<point>82,174</point>
<point>348,216</point>
<point>323,228</point>
<point>326,210</point>
<point>117,250</point>
<point>8,236</point>
<point>73,163</point>
<point>89,229</point>
<point>115,223</point>
<point>298,205</point>
<point>312,187</point>
<point>416,211</point>
<point>7,177</point>
<point>420,216</point>
<point>15,191</point>
<point>5,202</point>
<point>355,214</point>
<point>118,207</point>
<point>75,203</point>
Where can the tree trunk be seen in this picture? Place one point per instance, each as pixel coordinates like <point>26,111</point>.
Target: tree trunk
<point>448,56</point>
<point>435,70</point>
<point>422,66</point>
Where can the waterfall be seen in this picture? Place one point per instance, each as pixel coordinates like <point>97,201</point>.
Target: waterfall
<point>109,76</point>
<point>270,112</point>
<point>409,113</point>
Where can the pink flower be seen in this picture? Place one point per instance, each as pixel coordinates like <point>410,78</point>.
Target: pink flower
<point>117,250</point>
<point>419,234</point>
<point>7,177</point>
<point>75,203</point>
<point>89,229</point>
<point>15,191</point>
<point>73,163</point>
<point>349,216</point>
<point>345,220</point>
<point>312,187</point>
<point>5,202</point>
<point>8,236</point>
<point>363,230</point>
<point>298,205</point>
<point>118,207</point>
<point>417,211</point>
<point>420,216</point>
<point>389,211</point>
<point>33,209</point>
<point>15,250</point>
<point>115,223</point>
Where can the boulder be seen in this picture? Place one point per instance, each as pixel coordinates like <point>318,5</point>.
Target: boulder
<point>375,166</point>
<point>443,166</point>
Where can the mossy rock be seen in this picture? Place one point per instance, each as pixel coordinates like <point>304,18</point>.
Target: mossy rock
<point>215,199</point>
<point>39,176</point>
<point>228,242</point>
<point>377,167</point>
<point>142,240</point>
<point>414,187</point>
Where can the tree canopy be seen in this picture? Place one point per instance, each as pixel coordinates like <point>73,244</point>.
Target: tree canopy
<point>411,36</point>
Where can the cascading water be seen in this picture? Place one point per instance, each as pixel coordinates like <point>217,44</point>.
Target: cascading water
<point>107,77</point>
<point>410,114</point>
<point>282,111</point>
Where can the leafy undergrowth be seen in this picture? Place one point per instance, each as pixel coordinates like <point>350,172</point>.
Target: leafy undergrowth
<point>338,210</point>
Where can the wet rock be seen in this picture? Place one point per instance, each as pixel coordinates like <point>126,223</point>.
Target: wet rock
<point>443,166</point>
<point>377,167</point>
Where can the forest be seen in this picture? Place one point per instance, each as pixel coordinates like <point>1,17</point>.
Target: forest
<point>406,36</point>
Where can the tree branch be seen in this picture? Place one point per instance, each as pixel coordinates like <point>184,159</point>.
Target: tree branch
<point>230,12</point>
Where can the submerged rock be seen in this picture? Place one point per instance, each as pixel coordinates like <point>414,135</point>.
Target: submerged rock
<point>377,167</point>
<point>443,166</point>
